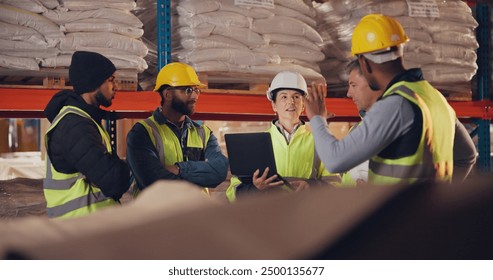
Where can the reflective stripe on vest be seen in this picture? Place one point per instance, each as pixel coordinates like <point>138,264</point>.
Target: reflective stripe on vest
<point>60,184</point>
<point>420,170</point>
<point>77,203</point>
<point>434,156</point>
<point>156,139</point>
<point>170,151</point>
<point>70,195</point>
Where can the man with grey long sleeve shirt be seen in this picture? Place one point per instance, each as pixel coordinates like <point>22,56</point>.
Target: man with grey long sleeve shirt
<point>409,134</point>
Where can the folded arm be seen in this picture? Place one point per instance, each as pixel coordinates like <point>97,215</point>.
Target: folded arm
<point>208,173</point>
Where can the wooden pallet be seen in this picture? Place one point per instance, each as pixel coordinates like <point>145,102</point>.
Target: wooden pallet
<point>230,83</point>
<point>237,83</point>
<point>126,80</point>
<point>457,92</point>
<point>457,96</point>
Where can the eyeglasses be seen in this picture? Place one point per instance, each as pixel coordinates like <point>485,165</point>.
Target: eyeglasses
<point>187,90</point>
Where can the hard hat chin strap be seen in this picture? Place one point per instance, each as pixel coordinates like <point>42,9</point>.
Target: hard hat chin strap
<point>385,56</point>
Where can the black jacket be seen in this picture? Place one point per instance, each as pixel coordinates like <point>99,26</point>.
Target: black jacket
<point>75,145</point>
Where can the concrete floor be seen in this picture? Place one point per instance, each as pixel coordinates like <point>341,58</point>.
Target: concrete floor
<point>22,197</point>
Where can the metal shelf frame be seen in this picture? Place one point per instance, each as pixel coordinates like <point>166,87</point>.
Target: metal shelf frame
<point>163,32</point>
<point>483,35</point>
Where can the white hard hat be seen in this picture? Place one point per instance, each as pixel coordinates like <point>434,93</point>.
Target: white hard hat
<point>287,80</point>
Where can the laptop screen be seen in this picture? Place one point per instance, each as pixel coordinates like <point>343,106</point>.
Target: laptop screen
<point>248,152</point>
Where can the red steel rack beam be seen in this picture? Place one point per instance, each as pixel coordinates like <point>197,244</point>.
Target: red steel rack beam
<point>29,103</point>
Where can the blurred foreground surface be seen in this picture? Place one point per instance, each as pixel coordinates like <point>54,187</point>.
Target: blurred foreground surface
<point>175,220</point>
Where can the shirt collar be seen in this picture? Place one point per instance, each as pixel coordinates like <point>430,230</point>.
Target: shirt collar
<point>161,119</point>
<point>410,75</point>
<point>284,132</point>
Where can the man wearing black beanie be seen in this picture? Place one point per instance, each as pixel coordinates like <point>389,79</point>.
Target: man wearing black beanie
<point>83,173</point>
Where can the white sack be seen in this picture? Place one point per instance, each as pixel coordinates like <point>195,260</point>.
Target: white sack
<point>289,12</point>
<point>297,5</point>
<point>121,62</point>
<point>251,12</point>
<point>455,38</point>
<point>74,41</point>
<point>276,38</point>
<point>219,66</point>
<point>102,25</point>
<point>63,17</point>
<point>300,62</point>
<point>213,41</point>
<point>50,4</point>
<point>43,25</point>
<point>19,45</point>
<point>33,6</point>
<point>434,25</point>
<point>218,18</point>
<point>233,56</point>
<point>389,8</point>
<point>21,33</point>
<point>190,8</point>
<point>201,31</point>
<point>444,73</point>
<point>243,35</point>
<point>290,26</point>
<point>33,53</point>
<point>419,35</point>
<point>292,51</point>
<point>82,5</point>
<point>273,69</point>
<point>102,50</point>
<point>20,63</point>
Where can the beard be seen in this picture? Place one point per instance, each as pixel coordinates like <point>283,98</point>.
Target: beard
<point>102,101</point>
<point>181,107</point>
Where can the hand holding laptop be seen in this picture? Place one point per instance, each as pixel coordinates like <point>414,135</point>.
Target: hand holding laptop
<point>263,182</point>
<point>248,153</point>
<point>299,185</point>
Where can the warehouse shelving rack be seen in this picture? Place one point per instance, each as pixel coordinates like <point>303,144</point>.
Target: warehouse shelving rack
<point>483,34</point>
<point>213,105</point>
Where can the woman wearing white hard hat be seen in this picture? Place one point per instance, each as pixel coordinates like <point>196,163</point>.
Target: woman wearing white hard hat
<point>292,141</point>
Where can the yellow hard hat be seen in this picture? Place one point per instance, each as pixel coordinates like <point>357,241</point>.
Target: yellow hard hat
<point>377,32</point>
<point>177,74</point>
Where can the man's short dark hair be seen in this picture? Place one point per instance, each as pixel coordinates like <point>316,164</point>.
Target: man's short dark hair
<point>352,65</point>
<point>161,92</point>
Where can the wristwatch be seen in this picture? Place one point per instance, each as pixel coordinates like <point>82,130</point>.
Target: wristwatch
<point>178,167</point>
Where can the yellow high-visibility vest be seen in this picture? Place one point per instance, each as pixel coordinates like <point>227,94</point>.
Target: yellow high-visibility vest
<point>70,195</point>
<point>433,158</point>
<point>298,159</point>
<point>168,145</point>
